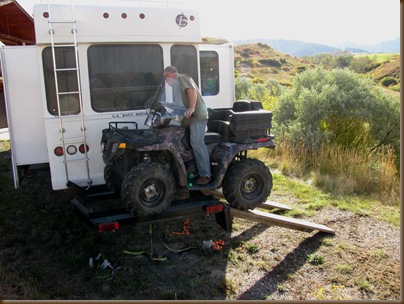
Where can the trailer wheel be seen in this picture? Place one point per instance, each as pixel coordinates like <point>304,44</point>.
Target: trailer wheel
<point>111,179</point>
<point>148,189</point>
<point>247,183</point>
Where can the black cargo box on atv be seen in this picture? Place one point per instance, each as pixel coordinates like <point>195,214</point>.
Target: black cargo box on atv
<point>249,125</point>
<point>246,122</point>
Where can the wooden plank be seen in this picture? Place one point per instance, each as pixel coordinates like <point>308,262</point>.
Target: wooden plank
<point>278,220</point>
<point>274,205</point>
<point>266,205</point>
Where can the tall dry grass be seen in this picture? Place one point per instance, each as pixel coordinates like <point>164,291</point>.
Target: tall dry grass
<point>340,170</point>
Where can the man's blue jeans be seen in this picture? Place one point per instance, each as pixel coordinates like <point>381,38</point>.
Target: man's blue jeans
<point>201,152</point>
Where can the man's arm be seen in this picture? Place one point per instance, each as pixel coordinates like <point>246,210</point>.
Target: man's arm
<point>192,102</point>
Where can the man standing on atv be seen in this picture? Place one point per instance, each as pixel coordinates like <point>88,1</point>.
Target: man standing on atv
<point>196,117</point>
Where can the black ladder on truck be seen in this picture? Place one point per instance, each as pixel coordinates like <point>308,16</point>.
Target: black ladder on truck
<point>82,139</point>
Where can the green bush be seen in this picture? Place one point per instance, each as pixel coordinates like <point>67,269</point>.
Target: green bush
<point>388,81</point>
<point>270,62</point>
<point>337,106</point>
<point>264,46</point>
<point>256,89</point>
<point>361,65</point>
<point>395,88</point>
<point>301,69</point>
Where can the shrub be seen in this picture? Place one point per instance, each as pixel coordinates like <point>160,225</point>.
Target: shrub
<point>315,259</point>
<point>388,81</point>
<point>301,69</point>
<point>246,52</point>
<point>270,62</point>
<point>395,88</point>
<point>264,46</point>
<point>337,106</point>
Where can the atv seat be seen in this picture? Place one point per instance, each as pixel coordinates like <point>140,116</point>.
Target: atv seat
<point>247,105</point>
<point>219,123</point>
<point>213,137</point>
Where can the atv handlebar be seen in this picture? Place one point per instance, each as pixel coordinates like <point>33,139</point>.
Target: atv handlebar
<point>162,113</point>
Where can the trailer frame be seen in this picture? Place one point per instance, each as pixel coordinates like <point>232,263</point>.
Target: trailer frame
<point>199,204</point>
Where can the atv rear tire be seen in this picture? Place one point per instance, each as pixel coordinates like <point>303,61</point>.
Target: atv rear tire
<point>247,183</point>
<point>148,189</point>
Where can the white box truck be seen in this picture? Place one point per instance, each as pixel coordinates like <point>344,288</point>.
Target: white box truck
<point>92,64</point>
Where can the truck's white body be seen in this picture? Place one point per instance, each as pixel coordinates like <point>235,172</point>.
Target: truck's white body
<point>101,30</point>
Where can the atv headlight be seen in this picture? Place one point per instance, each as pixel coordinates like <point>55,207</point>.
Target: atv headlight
<point>153,119</point>
<point>156,122</point>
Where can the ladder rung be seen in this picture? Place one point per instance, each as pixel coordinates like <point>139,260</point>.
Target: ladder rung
<point>66,70</point>
<point>71,21</point>
<point>64,45</point>
<point>76,160</point>
<point>78,140</point>
<point>68,93</point>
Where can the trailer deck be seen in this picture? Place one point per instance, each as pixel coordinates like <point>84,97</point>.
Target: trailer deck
<point>111,216</point>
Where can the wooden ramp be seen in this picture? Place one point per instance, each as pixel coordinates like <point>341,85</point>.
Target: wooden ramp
<point>267,205</point>
<point>271,219</point>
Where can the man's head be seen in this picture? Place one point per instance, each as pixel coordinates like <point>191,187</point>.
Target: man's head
<point>170,73</point>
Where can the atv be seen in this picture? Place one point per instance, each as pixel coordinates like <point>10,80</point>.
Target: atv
<point>152,167</point>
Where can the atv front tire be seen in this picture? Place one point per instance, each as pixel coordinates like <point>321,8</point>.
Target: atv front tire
<point>148,189</point>
<point>247,183</point>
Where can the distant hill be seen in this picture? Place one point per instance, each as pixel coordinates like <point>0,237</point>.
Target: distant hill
<point>390,46</point>
<point>293,47</point>
<point>300,48</point>
<point>260,62</point>
<point>356,50</point>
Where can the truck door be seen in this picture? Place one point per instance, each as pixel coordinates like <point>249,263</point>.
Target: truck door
<point>22,90</point>
<point>217,75</point>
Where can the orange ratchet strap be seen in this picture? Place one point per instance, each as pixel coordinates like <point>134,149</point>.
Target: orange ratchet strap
<point>218,244</point>
<point>185,230</point>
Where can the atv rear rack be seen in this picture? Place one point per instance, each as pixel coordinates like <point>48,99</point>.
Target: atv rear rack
<point>202,203</point>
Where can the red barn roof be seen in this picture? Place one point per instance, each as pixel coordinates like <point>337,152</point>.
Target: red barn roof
<point>16,25</point>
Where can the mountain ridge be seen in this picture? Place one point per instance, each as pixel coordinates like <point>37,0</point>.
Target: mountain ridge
<point>300,48</point>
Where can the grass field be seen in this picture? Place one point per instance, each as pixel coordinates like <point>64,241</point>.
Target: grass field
<point>45,250</point>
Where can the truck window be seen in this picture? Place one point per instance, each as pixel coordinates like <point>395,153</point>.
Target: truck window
<point>67,81</point>
<point>209,73</point>
<point>184,58</point>
<point>123,77</point>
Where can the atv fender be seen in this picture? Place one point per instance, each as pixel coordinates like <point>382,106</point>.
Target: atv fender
<point>226,152</point>
<point>179,169</point>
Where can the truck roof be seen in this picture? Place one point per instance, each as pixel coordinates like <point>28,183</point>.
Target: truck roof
<point>106,23</point>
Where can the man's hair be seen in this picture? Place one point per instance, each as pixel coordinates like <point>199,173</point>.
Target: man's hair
<point>171,69</point>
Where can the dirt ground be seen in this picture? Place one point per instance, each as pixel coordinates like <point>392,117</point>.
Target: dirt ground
<point>3,117</point>
<point>45,251</point>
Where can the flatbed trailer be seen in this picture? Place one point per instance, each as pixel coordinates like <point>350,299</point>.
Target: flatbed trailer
<point>112,216</point>
<point>199,204</point>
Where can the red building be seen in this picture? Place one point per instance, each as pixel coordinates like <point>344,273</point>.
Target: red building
<point>16,28</point>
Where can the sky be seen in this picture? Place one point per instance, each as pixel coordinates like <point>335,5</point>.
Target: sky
<point>330,22</point>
